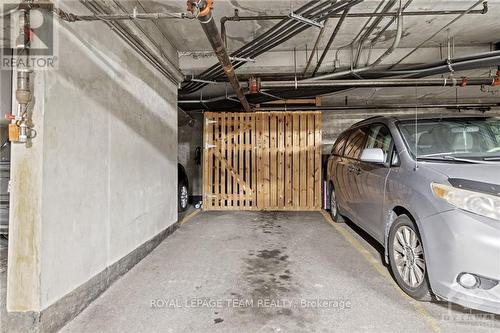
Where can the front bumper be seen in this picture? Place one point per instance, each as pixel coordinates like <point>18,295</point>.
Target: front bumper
<point>455,242</point>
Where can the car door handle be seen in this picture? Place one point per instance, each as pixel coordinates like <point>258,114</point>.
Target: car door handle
<point>354,169</point>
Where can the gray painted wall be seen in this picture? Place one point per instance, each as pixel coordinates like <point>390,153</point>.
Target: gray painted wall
<point>101,177</point>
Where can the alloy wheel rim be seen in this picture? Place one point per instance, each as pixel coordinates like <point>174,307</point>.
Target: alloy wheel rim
<point>184,196</point>
<point>409,256</point>
<point>333,203</point>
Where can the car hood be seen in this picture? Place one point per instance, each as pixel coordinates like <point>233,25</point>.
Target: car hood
<point>485,173</point>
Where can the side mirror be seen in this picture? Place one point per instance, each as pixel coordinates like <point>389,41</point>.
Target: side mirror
<point>373,155</point>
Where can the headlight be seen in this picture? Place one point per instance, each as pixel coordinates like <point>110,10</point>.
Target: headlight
<point>474,202</point>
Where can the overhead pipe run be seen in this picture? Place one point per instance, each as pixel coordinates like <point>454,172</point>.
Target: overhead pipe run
<point>237,18</point>
<point>462,14</point>
<point>281,32</point>
<point>210,28</point>
<point>262,86</point>
<point>387,53</point>
<point>329,43</point>
<point>343,108</point>
<point>380,83</point>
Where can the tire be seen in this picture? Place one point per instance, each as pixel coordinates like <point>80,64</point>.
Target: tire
<point>334,207</point>
<point>183,197</point>
<point>407,259</point>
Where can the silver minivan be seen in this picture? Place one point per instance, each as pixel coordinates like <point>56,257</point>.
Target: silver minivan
<point>428,190</point>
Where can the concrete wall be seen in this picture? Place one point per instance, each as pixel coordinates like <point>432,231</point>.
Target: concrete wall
<point>100,179</point>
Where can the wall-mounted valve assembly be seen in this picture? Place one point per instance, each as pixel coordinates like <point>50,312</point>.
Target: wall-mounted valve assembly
<point>20,129</point>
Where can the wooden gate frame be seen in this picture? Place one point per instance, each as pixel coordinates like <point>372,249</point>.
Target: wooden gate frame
<point>262,161</point>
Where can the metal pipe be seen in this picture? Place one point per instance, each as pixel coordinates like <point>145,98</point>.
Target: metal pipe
<point>315,47</point>
<point>363,15</point>
<point>391,21</point>
<point>389,51</point>
<point>211,72</point>
<point>379,83</point>
<point>23,43</point>
<point>251,49</point>
<point>70,17</point>
<point>278,34</point>
<point>478,106</point>
<point>369,31</point>
<point>210,28</point>
<point>440,30</point>
<point>330,41</point>
<point>474,63</point>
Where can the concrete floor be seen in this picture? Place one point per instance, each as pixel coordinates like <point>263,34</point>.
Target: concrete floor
<point>265,272</point>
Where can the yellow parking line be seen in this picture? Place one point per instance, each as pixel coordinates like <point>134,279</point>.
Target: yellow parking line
<point>383,271</point>
<point>190,216</point>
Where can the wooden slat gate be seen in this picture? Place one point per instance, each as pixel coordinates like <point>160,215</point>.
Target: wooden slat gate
<point>262,161</point>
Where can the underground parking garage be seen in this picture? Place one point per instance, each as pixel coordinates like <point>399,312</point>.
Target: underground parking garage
<point>279,166</point>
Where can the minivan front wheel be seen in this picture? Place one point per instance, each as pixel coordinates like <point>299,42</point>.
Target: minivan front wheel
<point>406,256</point>
<point>334,207</point>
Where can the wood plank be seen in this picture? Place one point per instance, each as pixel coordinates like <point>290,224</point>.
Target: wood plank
<point>303,160</point>
<point>231,172</point>
<point>310,160</point>
<point>281,155</point>
<point>257,167</point>
<point>234,159</point>
<point>217,169</point>
<point>272,162</point>
<point>265,160</point>
<point>317,160</point>
<point>241,129</point>
<point>296,161</point>
<point>288,160</point>
<point>244,138</point>
<point>253,160</point>
<point>223,138</point>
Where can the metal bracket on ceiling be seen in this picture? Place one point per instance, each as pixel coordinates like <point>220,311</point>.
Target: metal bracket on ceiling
<point>241,59</point>
<point>305,20</point>
<point>450,67</point>
<point>202,80</point>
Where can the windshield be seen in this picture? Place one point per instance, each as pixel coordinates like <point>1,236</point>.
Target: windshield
<point>471,138</point>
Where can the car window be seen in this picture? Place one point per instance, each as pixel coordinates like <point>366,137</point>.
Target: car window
<point>379,136</point>
<point>466,137</point>
<point>339,145</point>
<point>355,143</point>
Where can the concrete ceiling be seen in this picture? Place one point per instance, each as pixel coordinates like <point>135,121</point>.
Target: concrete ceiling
<point>472,34</point>
<point>473,29</point>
